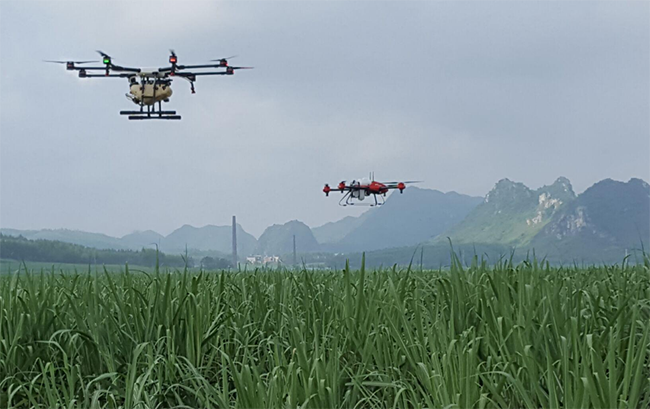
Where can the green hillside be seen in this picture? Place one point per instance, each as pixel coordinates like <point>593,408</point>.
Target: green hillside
<point>407,219</point>
<point>207,238</point>
<point>333,232</point>
<point>511,214</point>
<point>50,251</point>
<point>199,241</point>
<point>96,240</point>
<point>609,220</point>
<point>404,220</point>
<point>140,239</point>
<point>609,216</point>
<point>278,239</point>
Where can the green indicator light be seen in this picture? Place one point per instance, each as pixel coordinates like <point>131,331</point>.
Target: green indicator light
<point>107,61</point>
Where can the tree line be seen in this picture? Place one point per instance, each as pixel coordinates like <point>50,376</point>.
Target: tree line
<point>22,249</point>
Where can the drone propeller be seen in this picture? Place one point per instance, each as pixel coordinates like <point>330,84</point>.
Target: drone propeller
<point>106,59</point>
<point>70,62</point>
<point>406,181</point>
<point>231,70</point>
<point>226,58</point>
<point>224,61</point>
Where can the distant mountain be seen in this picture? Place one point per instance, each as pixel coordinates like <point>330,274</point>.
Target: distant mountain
<point>95,240</point>
<point>332,232</point>
<point>511,214</point>
<point>406,219</point>
<point>604,221</point>
<point>209,237</point>
<point>602,224</point>
<point>142,239</point>
<point>200,241</point>
<point>278,239</point>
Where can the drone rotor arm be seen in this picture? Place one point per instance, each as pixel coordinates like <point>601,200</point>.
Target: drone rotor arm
<point>127,69</point>
<point>186,75</point>
<point>184,67</point>
<point>104,75</point>
<point>90,68</point>
<point>207,73</point>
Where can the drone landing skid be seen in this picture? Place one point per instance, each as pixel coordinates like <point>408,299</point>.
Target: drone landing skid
<point>151,113</point>
<point>146,113</point>
<point>346,201</point>
<point>140,115</point>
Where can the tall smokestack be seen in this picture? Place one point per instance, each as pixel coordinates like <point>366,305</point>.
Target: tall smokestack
<point>234,242</point>
<point>295,260</point>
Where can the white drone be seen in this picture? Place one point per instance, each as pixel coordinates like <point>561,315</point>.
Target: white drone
<point>153,86</point>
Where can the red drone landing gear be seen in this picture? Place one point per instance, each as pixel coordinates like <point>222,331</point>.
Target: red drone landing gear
<point>346,200</point>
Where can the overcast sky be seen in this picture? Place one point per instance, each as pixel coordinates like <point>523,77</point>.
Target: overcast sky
<point>459,95</point>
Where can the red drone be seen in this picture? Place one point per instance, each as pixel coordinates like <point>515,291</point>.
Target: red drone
<point>361,188</point>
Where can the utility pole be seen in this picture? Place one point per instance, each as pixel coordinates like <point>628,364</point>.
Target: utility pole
<point>294,251</point>
<point>234,242</point>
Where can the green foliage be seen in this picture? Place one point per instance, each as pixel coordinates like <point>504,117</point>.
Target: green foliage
<point>505,335</point>
<point>214,263</point>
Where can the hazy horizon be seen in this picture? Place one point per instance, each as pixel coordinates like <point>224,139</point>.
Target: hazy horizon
<point>459,95</point>
<point>257,236</point>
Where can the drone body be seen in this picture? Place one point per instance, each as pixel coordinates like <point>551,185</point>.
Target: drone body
<point>149,92</point>
<point>358,190</point>
<point>148,88</point>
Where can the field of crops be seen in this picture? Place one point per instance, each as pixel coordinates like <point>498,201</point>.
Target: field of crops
<point>475,336</point>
